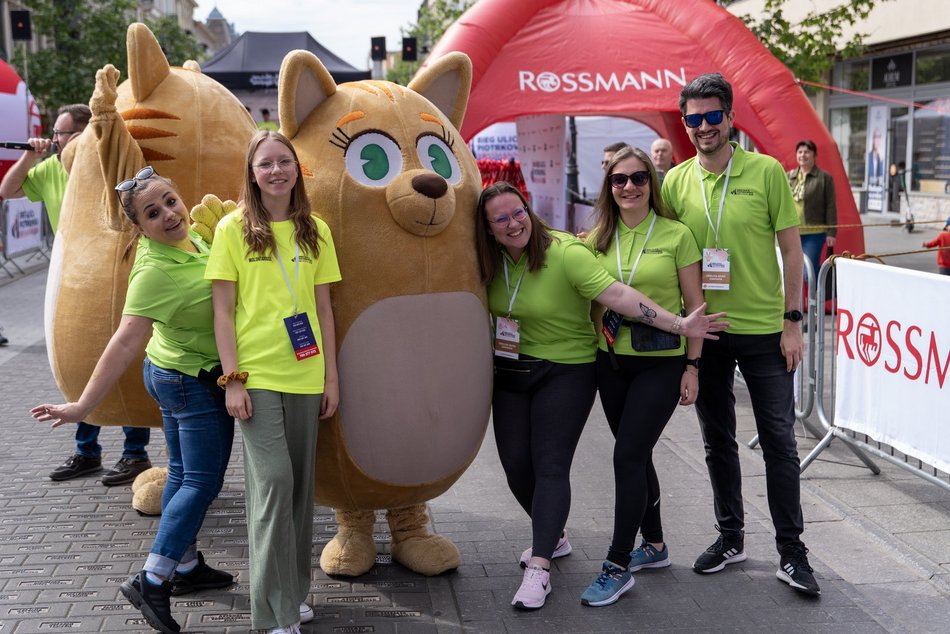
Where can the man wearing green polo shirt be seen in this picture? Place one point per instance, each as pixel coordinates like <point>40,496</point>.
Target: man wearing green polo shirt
<point>40,176</point>
<point>737,204</point>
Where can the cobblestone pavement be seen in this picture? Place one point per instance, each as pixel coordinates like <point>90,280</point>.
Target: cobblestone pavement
<point>880,545</point>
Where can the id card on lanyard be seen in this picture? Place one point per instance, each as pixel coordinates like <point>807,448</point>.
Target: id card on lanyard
<point>507,329</point>
<point>611,319</point>
<point>299,330</point>
<point>715,274</point>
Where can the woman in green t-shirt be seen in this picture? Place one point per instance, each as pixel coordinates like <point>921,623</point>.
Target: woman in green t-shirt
<point>540,286</point>
<point>169,299</point>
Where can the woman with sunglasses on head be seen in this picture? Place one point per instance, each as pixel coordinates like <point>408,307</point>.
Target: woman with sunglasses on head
<point>641,372</point>
<point>169,299</point>
<point>271,267</point>
<point>540,286</point>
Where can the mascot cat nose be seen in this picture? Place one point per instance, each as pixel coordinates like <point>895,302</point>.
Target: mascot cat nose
<point>430,185</point>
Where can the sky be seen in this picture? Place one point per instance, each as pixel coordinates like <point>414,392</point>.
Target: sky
<point>343,26</point>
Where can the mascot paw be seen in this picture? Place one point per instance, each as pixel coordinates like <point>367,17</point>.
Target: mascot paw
<point>429,555</point>
<point>206,215</point>
<point>147,491</point>
<point>106,92</point>
<point>350,553</point>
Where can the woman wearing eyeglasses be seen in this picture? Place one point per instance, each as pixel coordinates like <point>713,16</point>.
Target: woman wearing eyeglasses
<point>271,267</point>
<point>169,299</point>
<point>540,286</point>
<point>641,372</point>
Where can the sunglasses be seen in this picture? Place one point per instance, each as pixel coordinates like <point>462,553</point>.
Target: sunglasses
<point>504,221</point>
<point>143,175</point>
<point>619,181</point>
<point>713,117</point>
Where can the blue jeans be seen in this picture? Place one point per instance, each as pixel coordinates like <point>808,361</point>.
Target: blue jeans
<point>87,441</point>
<point>812,243</point>
<point>198,432</point>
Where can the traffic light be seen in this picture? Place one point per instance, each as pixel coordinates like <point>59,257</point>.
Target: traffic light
<point>377,48</point>
<point>20,28</point>
<point>409,53</point>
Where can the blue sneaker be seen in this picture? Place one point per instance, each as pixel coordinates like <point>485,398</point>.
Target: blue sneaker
<point>649,557</point>
<point>608,586</point>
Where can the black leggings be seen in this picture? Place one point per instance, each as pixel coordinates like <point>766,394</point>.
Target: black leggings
<point>638,401</point>
<point>537,425</point>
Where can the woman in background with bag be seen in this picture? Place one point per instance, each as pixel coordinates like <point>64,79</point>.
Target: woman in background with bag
<point>813,190</point>
<point>540,285</point>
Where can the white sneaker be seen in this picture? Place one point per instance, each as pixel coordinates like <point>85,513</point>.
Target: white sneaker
<point>290,629</point>
<point>306,613</point>
<point>535,586</point>
<point>563,549</point>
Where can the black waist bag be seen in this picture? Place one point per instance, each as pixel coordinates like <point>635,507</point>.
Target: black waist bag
<point>520,375</point>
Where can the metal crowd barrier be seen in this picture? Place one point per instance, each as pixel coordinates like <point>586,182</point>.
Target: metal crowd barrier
<point>41,250</point>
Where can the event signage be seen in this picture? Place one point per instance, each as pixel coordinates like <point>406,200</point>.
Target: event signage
<point>22,227</point>
<point>892,350</point>
<point>892,71</point>
<point>541,146</point>
<point>593,81</point>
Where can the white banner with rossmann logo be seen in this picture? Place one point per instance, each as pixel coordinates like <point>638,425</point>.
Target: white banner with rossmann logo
<point>892,346</point>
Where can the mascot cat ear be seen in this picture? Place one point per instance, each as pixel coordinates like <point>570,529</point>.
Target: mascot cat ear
<point>446,83</point>
<point>304,84</point>
<point>147,64</point>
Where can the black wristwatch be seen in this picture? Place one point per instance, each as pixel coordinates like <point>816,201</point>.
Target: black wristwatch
<point>794,315</point>
<point>696,363</point>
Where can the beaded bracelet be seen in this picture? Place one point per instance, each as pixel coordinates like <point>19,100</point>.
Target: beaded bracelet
<point>223,381</point>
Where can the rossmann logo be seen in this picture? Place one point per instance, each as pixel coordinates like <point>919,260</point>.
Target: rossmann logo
<point>587,81</point>
<point>904,349</point>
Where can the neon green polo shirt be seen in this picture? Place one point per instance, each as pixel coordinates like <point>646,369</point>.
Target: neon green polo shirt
<point>264,349</point>
<point>167,285</point>
<point>671,248</point>
<point>46,181</point>
<point>758,204</point>
<point>553,304</point>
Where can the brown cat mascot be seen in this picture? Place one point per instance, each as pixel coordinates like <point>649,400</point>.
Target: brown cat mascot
<point>190,129</point>
<point>387,169</point>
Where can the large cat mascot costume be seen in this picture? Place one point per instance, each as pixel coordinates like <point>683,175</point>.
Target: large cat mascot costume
<point>387,169</point>
<point>190,129</point>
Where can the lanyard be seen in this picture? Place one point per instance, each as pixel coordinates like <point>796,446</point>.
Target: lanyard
<point>296,272</point>
<point>722,200</point>
<point>514,294</point>
<point>642,249</point>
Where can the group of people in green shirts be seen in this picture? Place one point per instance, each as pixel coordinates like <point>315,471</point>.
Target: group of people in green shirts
<point>211,313</point>
<point>707,239</point>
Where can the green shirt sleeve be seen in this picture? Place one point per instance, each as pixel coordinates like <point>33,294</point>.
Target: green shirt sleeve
<point>152,293</point>
<point>221,262</point>
<point>780,202</point>
<point>584,272</point>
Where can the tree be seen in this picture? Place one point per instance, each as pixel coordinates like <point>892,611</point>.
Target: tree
<point>178,45</point>
<point>434,18</point>
<point>809,47</point>
<point>81,38</point>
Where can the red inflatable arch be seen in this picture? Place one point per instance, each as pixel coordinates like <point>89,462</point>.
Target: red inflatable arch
<point>631,58</point>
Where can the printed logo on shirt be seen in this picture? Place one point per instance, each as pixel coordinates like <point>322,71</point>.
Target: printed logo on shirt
<point>653,251</point>
<point>302,258</point>
<point>741,191</point>
<point>259,258</point>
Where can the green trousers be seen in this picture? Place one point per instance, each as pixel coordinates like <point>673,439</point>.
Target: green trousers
<point>280,441</point>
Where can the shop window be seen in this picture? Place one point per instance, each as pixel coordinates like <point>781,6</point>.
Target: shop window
<point>849,128</point>
<point>852,75</point>
<point>932,67</point>
<point>930,166</point>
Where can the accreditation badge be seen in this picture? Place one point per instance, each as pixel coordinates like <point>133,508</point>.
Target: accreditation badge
<point>715,269</point>
<point>301,336</point>
<point>507,337</point>
<point>611,325</point>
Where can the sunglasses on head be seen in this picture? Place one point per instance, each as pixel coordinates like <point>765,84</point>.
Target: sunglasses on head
<point>619,181</point>
<point>143,175</point>
<point>713,117</point>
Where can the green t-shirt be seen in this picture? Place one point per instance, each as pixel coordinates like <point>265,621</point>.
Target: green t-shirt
<point>46,181</point>
<point>553,304</point>
<point>670,248</point>
<point>264,349</point>
<point>758,204</point>
<point>167,285</point>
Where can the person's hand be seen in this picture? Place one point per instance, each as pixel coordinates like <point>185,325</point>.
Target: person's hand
<point>41,147</point>
<point>696,324</point>
<point>331,399</point>
<point>792,345</point>
<point>689,386</point>
<point>58,415</point>
<point>238,401</point>
<point>924,244</point>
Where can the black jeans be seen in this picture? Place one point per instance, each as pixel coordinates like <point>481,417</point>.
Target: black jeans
<point>772,392</point>
<point>537,427</point>
<point>638,399</point>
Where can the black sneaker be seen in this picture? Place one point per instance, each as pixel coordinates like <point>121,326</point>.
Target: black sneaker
<point>728,549</point>
<point>795,571</point>
<point>75,466</point>
<point>152,600</point>
<point>202,577</point>
<point>125,470</point>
